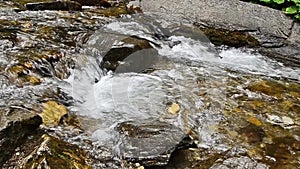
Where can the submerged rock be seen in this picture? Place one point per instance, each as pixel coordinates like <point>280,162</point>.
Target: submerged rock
<point>147,142</point>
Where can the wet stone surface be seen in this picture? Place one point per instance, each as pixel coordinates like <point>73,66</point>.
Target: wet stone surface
<point>135,137</point>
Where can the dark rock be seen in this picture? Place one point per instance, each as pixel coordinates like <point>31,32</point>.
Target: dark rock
<point>102,3</point>
<point>283,150</point>
<point>252,133</point>
<point>56,5</point>
<point>148,142</point>
<point>14,129</point>
<point>130,45</point>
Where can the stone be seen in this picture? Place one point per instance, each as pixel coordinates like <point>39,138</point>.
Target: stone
<point>15,126</point>
<point>284,121</point>
<point>128,47</point>
<point>245,16</point>
<point>55,5</point>
<point>52,113</point>
<point>148,142</point>
<point>242,162</point>
<point>103,3</point>
<point>45,151</point>
<point>173,108</point>
<point>236,23</point>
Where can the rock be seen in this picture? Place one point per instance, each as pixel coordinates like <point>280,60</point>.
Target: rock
<point>240,162</point>
<point>52,113</point>
<point>295,34</point>
<point>127,47</point>
<point>173,108</point>
<point>45,151</point>
<point>114,11</point>
<point>229,37</point>
<point>285,122</point>
<point>15,126</point>
<point>268,87</point>
<point>252,133</point>
<point>283,151</point>
<point>213,13</point>
<point>147,142</point>
<point>192,158</point>
<point>55,5</point>
<point>103,3</point>
<point>237,23</point>
<point>254,121</point>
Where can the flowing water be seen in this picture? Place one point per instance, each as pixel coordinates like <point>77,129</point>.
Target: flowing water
<point>239,108</point>
<point>207,83</point>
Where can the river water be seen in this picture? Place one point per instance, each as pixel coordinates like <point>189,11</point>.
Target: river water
<point>206,82</point>
<point>230,107</point>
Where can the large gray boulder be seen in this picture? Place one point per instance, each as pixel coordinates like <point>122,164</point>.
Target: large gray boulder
<point>277,34</point>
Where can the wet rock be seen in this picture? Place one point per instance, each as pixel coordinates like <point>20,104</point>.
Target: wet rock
<point>230,38</point>
<point>52,113</point>
<point>288,54</point>
<point>147,142</point>
<point>268,28</point>
<point>125,48</point>
<point>268,87</point>
<point>103,3</point>
<point>191,158</point>
<point>55,5</point>
<point>46,151</point>
<point>282,152</point>
<point>242,162</point>
<point>174,108</point>
<point>114,11</point>
<point>285,122</point>
<point>252,133</point>
<point>15,126</point>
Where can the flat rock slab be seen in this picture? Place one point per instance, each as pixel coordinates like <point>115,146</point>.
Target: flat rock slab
<point>230,14</point>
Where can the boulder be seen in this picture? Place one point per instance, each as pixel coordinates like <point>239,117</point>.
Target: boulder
<point>128,46</point>
<point>270,30</point>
